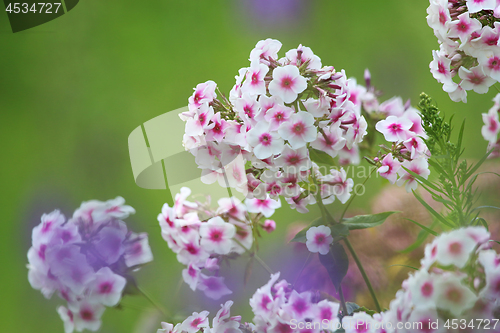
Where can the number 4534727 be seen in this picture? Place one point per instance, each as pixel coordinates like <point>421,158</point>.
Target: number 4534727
<point>38,8</point>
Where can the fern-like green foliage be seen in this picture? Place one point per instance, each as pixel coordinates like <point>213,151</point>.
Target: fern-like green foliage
<point>454,187</point>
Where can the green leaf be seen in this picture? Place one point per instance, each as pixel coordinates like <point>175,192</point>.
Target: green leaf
<point>492,240</point>
<point>422,236</point>
<point>339,231</point>
<point>364,309</point>
<point>481,207</point>
<point>366,221</point>
<point>336,263</point>
<point>300,237</point>
<point>432,211</point>
<point>351,307</point>
<point>320,157</point>
<point>432,232</point>
<point>460,138</point>
<point>422,180</point>
<point>407,266</point>
<point>477,165</point>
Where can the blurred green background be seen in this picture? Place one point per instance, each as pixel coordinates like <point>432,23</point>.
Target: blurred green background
<point>73,89</point>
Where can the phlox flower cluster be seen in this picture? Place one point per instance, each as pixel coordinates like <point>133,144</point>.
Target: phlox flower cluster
<point>468,32</point>
<point>198,322</point>
<point>279,308</point>
<point>279,110</point>
<point>492,127</point>
<point>402,127</point>
<point>276,306</point>
<point>202,237</point>
<point>459,278</point>
<point>86,260</point>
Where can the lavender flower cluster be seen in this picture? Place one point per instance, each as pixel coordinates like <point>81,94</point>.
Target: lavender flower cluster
<point>86,260</point>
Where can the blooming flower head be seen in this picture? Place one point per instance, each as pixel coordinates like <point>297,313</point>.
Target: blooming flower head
<point>468,35</point>
<point>298,130</point>
<point>319,239</point>
<point>265,142</point>
<point>394,128</point>
<point>287,83</point>
<point>278,112</point>
<point>85,260</point>
<point>216,235</point>
<point>389,168</point>
<point>420,166</point>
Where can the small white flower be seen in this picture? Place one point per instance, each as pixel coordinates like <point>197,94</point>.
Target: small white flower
<point>216,235</point>
<point>287,83</point>
<point>319,239</point>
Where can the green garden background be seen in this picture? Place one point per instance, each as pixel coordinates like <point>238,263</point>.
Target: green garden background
<point>73,89</point>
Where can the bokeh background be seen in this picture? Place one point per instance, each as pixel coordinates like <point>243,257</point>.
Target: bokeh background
<point>73,89</point>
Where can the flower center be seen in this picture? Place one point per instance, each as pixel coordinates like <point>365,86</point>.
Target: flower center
<point>427,289</point>
<point>86,314</point>
<point>105,288</point>
<point>298,128</point>
<point>455,248</point>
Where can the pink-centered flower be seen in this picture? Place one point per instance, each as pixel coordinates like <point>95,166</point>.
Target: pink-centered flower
<point>319,239</point>
<point>218,131</point>
<point>265,142</point>
<point>287,83</point>
<point>475,6</point>
<point>303,54</point>
<point>216,235</point>
<point>200,122</point>
<point>475,79</point>
<point>418,166</point>
<point>254,82</point>
<point>195,322</point>
<point>389,168</point>
<point>264,206</point>
<point>299,129</point>
<point>454,296</point>
<point>265,49</point>
<point>203,93</point>
<point>463,27</point>
<point>294,160</point>
<point>191,275</point>
<point>491,125</point>
<point>107,287</point>
<point>439,16</point>
<point>330,140</point>
<point>455,248</point>
<point>299,305</point>
<point>491,64</point>
<point>415,146</point>
<point>440,67</point>
<point>394,128</point>
<point>277,115</point>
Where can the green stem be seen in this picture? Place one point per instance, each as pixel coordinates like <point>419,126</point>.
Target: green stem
<point>354,196</point>
<point>363,274</point>
<point>253,254</point>
<point>158,307</point>
<point>342,301</point>
<point>263,264</point>
<point>301,270</point>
